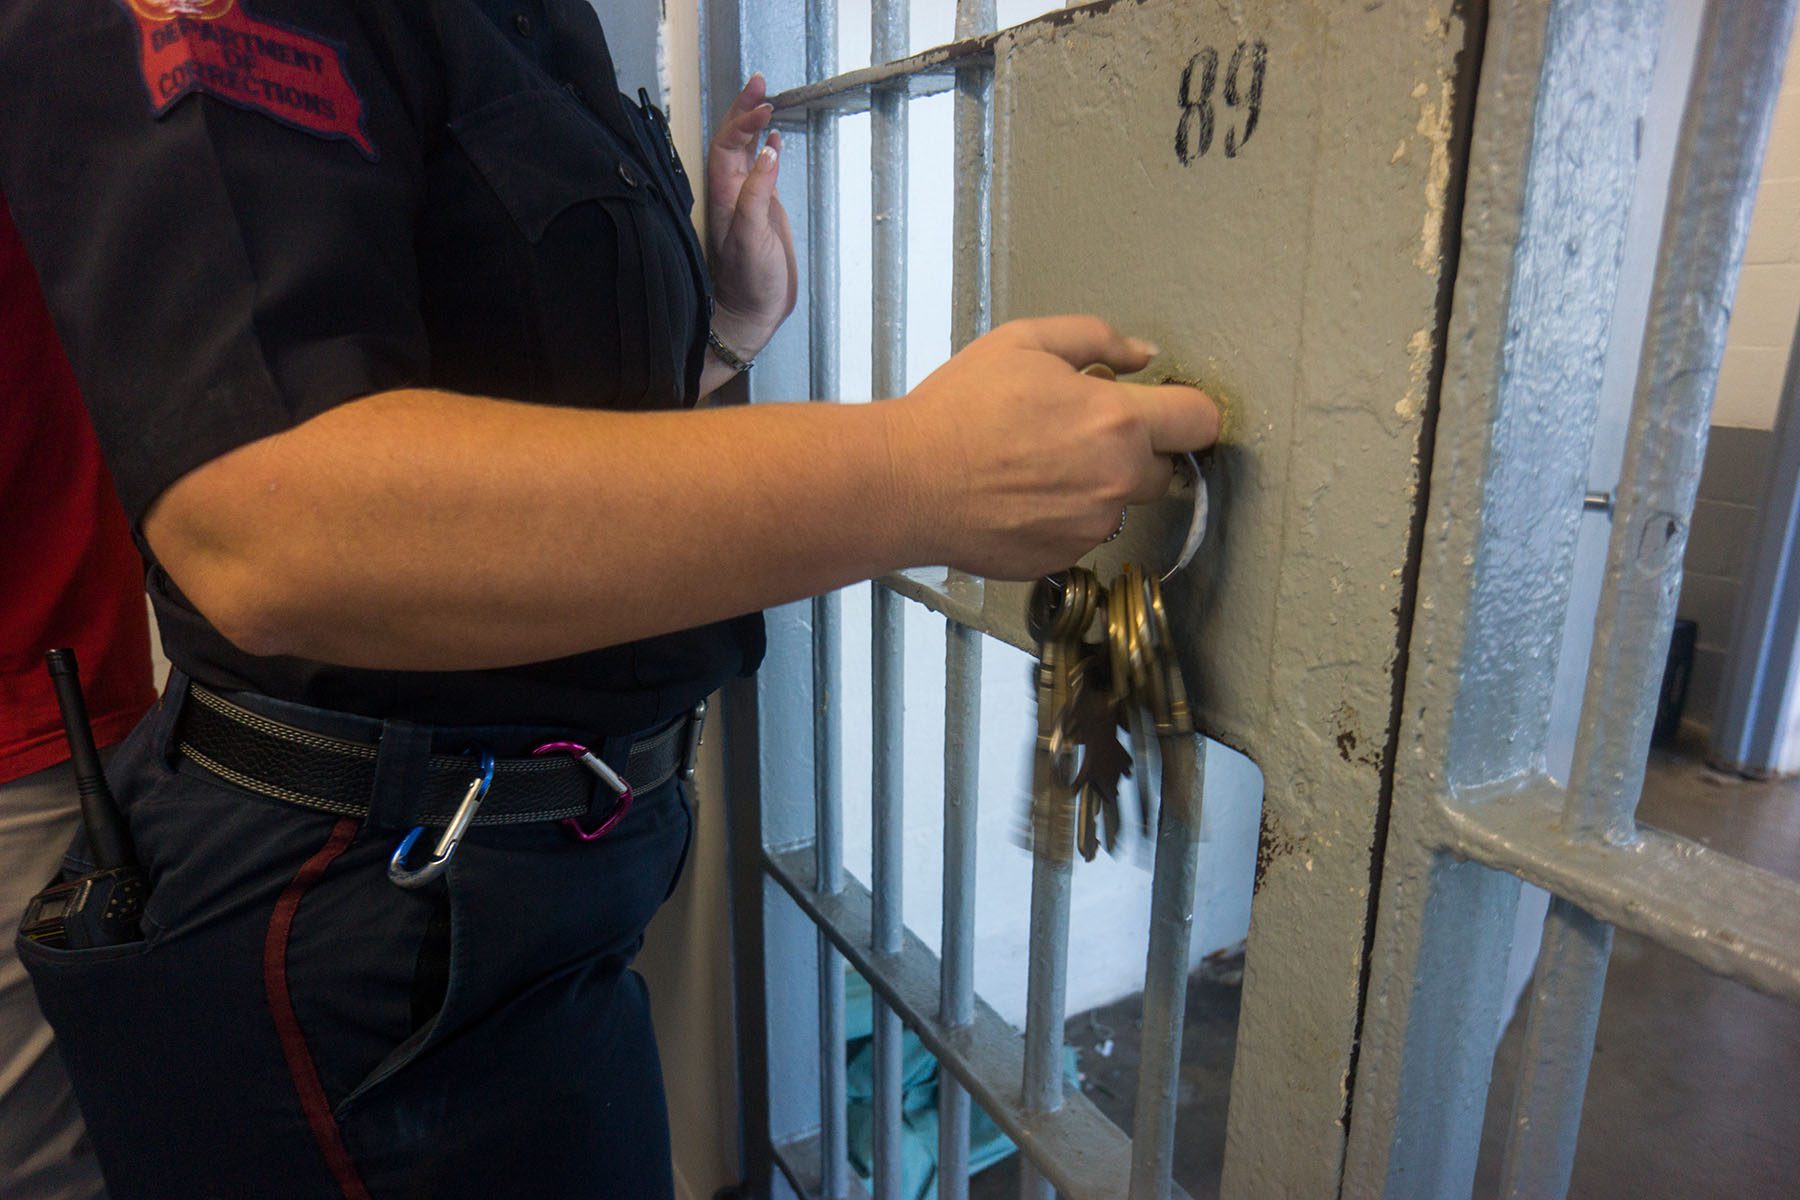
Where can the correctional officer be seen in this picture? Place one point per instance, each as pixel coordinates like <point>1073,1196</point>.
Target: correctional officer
<point>392,325</point>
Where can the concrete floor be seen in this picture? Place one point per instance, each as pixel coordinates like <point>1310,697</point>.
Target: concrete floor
<point>1694,1091</point>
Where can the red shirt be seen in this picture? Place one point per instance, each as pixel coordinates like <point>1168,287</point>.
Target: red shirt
<point>69,575</point>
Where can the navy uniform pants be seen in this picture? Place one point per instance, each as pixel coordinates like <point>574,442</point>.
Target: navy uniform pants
<point>294,1025</point>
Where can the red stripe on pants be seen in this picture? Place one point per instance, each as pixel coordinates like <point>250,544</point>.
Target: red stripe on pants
<point>301,1068</point>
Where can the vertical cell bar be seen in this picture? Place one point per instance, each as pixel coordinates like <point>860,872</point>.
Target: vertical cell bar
<point>1047,945</point>
<point>956,979</point>
<point>1557,1050</point>
<point>888,195</point>
<point>1737,74</point>
<point>1166,966</point>
<point>1046,997</point>
<point>888,922</point>
<point>827,644</point>
<point>970,220</point>
<point>969,309</point>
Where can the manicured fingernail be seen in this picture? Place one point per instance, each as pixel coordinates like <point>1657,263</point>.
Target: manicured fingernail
<point>767,156</point>
<point>1147,349</point>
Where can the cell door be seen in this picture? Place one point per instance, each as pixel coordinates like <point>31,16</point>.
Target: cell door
<point>1388,236</point>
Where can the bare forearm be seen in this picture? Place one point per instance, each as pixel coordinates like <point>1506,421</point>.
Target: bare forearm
<point>426,530</point>
<point>431,531</point>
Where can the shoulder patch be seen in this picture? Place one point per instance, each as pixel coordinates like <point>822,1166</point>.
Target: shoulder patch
<point>217,47</point>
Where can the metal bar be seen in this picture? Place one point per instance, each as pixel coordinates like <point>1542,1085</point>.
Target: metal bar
<point>834,1087</point>
<point>923,74</point>
<point>956,980</point>
<point>800,1164</point>
<point>1731,918</point>
<point>969,308</point>
<point>1556,144</point>
<point>888,162</point>
<point>1556,1054</point>
<point>1737,75</point>
<point>971,289</point>
<point>973,607</point>
<point>1166,966</point>
<point>1046,1002</point>
<point>1731,100</point>
<point>1084,1154</point>
<point>887,926</point>
<point>827,642</point>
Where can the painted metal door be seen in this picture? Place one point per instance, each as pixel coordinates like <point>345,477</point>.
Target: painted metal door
<point>1387,235</point>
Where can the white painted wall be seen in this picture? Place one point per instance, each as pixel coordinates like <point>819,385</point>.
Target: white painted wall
<point>1768,295</point>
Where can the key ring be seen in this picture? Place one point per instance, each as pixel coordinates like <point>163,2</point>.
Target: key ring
<point>608,776</point>
<point>410,877</point>
<point>1196,531</point>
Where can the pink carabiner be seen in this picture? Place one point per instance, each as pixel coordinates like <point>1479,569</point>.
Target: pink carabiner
<point>607,775</point>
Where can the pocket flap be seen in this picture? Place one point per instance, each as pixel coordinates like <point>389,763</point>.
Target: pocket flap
<point>541,153</point>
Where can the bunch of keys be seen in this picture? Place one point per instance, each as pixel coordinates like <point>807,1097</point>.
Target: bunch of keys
<point>1087,691</point>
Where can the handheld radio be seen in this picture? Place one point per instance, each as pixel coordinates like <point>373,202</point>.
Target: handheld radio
<point>105,906</point>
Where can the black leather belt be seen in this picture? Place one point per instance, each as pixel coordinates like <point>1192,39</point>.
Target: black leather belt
<point>334,775</point>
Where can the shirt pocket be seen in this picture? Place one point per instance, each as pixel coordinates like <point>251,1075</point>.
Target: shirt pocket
<point>596,256</point>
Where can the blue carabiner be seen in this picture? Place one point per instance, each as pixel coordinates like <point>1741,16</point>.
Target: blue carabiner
<point>409,877</point>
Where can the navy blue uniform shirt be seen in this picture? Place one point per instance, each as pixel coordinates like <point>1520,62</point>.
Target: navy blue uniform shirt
<point>245,212</point>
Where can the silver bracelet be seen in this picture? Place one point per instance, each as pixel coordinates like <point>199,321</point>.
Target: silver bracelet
<point>727,355</point>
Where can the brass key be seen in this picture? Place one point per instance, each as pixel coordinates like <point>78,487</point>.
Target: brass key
<point>1061,608</point>
<point>1168,693</point>
<point>1126,639</point>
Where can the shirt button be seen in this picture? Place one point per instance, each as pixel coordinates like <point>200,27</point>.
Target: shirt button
<point>522,23</point>
<point>628,175</point>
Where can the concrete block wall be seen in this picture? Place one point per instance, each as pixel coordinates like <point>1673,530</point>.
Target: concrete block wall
<point>1749,391</point>
<point>1768,295</point>
<point>1737,467</point>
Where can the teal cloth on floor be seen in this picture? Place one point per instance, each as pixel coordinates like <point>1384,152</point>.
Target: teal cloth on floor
<point>918,1102</point>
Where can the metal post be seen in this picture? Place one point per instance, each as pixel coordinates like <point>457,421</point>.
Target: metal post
<point>1047,947</point>
<point>969,301</point>
<point>1737,74</point>
<point>956,978</point>
<point>971,291</point>
<point>888,926</point>
<point>1046,998</point>
<point>888,183</point>
<point>827,646</point>
<point>1166,967</point>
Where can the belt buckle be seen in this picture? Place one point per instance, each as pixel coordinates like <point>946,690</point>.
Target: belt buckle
<point>607,775</point>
